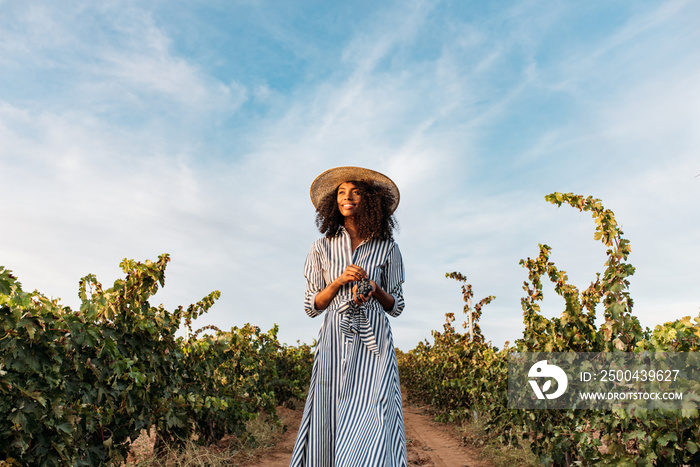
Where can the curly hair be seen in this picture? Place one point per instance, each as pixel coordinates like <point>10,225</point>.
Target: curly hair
<point>374,218</point>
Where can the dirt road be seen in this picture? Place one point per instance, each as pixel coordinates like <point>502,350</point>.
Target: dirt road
<point>428,443</point>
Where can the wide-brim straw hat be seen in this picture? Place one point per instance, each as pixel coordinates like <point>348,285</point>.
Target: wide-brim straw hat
<point>329,181</point>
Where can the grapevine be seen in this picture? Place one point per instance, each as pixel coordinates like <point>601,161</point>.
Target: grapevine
<point>77,385</point>
<point>463,380</point>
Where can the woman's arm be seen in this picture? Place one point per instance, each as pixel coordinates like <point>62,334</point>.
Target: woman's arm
<point>392,278</point>
<point>351,274</point>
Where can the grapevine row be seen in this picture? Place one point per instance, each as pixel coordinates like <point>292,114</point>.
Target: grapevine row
<point>465,379</point>
<point>77,385</point>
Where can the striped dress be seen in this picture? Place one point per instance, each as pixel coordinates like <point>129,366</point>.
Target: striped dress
<point>353,415</point>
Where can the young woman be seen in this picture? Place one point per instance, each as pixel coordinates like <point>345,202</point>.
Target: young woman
<point>353,413</point>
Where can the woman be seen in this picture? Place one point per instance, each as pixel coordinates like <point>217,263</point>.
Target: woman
<point>353,411</point>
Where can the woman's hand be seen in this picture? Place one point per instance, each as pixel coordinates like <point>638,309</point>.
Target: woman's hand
<point>384,299</point>
<point>352,273</point>
<point>360,299</point>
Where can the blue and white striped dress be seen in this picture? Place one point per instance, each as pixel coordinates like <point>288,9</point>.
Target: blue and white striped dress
<point>353,415</point>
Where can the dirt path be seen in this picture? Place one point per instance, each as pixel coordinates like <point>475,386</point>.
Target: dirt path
<point>428,443</point>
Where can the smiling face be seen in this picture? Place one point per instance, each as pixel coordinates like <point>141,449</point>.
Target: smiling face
<point>348,199</point>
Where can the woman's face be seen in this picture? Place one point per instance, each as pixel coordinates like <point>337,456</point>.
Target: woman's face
<point>348,199</point>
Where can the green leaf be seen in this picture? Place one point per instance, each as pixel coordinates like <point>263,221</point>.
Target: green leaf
<point>666,438</point>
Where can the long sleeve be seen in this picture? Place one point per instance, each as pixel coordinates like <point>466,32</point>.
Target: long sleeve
<point>393,278</point>
<point>313,271</point>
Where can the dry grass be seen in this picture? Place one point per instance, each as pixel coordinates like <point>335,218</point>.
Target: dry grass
<point>230,451</point>
<point>474,435</point>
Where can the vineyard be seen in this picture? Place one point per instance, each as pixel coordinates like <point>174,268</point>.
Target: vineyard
<point>77,386</point>
<point>466,380</point>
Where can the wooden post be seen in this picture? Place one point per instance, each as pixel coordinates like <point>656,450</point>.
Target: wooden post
<point>470,318</point>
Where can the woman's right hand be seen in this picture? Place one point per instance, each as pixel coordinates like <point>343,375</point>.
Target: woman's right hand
<point>352,273</point>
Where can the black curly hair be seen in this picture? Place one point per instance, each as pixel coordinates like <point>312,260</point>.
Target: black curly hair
<point>374,218</point>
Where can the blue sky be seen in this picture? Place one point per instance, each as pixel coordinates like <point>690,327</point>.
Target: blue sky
<point>131,129</point>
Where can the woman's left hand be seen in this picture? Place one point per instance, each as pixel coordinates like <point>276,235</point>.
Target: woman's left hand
<point>360,299</point>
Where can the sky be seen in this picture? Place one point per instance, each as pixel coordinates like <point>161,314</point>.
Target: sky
<point>129,129</point>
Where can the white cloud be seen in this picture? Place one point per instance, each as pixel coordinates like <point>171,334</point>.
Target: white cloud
<point>144,64</point>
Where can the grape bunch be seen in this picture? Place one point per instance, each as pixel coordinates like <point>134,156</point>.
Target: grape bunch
<point>364,287</point>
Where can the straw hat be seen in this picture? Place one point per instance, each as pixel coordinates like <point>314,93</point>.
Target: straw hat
<point>329,181</point>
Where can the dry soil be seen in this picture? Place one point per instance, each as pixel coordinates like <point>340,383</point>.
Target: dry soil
<point>428,443</point>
